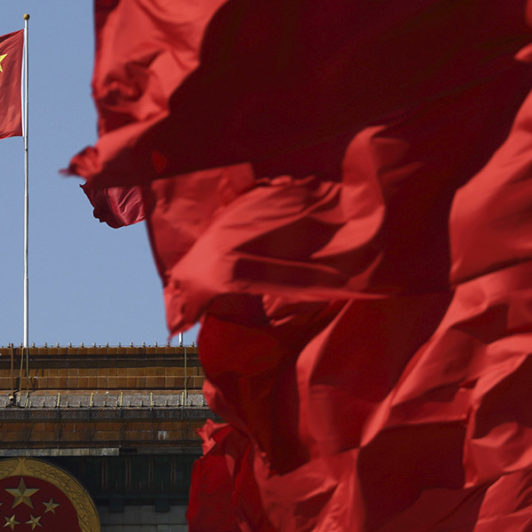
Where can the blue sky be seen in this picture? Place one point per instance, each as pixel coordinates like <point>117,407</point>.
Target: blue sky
<point>88,283</point>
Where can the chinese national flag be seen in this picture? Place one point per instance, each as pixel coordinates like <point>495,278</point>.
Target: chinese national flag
<point>11,47</point>
<point>345,204</point>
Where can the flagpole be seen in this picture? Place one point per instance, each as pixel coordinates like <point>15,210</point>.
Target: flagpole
<point>26,184</point>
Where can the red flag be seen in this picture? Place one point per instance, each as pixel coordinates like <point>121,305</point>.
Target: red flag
<point>224,494</point>
<point>11,47</point>
<point>360,264</point>
<point>211,486</point>
<point>116,206</point>
<point>137,67</point>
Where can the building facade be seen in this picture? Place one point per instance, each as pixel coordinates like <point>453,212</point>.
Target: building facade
<point>120,421</point>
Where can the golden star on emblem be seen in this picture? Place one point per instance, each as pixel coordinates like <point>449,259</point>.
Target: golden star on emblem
<point>22,494</point>
<point>34,521</point>
<point>10,522</point>
<point>2,57</point>
<point>50,506</point>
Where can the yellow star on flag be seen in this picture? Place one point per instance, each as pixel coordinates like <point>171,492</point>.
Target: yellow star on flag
<point>34,521</point>
<point>2,57</point>
<point>50,506</point>
<point>22,494</point>
<point>10,522</point>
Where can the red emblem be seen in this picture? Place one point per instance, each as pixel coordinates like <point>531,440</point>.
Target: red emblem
<point>35,495</point>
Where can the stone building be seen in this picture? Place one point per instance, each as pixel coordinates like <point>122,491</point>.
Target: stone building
<point>119,421</point>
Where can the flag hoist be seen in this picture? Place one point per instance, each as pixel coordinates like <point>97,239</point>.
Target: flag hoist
<point>26,186</point>
<point>25,354</point>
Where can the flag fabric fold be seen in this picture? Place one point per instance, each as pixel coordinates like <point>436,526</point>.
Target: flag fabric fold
<point>341,194</point>
<point>227,462</point>
<point>11,48</point>
<point>116,206</point>
<point>138,66</point>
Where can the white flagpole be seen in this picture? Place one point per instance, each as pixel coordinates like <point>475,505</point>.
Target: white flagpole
<point>26,185</point>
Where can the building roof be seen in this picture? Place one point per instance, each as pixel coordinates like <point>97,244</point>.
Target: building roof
<point>103,396</point>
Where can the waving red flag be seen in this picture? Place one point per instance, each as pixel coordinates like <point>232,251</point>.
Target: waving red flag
<point>116,206</point>
<point>138,66</point>
<point>11,47</point>
<point>346,207</point>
